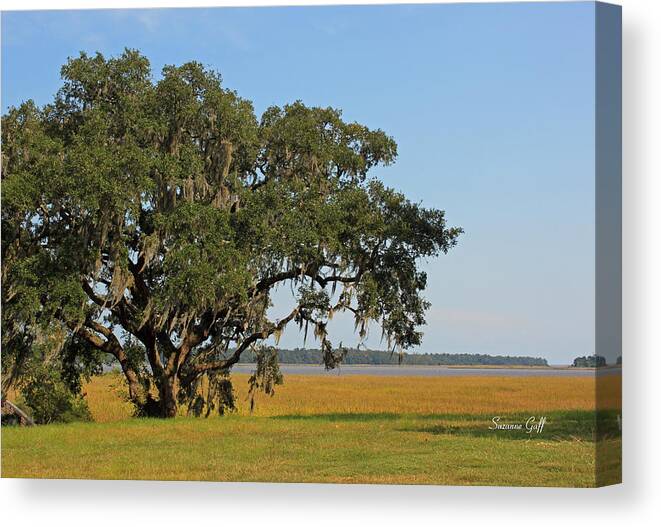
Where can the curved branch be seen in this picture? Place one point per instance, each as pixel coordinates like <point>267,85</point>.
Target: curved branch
<point>247,342</point>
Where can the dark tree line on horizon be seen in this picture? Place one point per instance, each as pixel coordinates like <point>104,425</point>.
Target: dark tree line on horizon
<point>379,357</point>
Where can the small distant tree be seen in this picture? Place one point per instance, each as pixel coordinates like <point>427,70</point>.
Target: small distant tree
<point>151,220</point>
<point>591,361</point>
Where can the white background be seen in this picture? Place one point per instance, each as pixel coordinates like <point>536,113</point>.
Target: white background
<point>55,503</point>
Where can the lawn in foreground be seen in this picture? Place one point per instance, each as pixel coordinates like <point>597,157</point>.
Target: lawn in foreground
<point>358,430</point>
<point>369,448</point>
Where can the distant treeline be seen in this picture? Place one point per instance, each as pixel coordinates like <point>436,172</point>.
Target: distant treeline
<point>362,356</point>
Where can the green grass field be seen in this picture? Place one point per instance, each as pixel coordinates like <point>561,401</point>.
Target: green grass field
<point>345,431</point>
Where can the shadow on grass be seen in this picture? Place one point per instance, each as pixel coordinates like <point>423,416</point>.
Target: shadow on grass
<point>579,425</point>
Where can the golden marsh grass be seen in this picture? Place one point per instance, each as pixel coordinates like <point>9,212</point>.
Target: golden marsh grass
<point>364,394</point>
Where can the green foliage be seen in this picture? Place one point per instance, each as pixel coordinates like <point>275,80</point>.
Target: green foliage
<point>50,400</point>
<point>79,362</point>
<point>152,219</point>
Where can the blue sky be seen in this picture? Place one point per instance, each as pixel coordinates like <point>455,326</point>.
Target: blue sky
<point>492,107</point>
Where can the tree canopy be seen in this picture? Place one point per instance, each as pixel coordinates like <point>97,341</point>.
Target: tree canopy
<point>150,220</point>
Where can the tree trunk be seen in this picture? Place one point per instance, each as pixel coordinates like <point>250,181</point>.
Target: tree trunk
<point>136,391</point>
<point>167,393</point>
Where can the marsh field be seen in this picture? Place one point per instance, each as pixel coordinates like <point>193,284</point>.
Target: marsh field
<point>344,429</point>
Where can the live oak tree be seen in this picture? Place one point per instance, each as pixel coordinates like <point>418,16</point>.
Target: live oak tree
<point>151,220</point>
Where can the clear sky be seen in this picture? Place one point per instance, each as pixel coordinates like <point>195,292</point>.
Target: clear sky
<point>492,106</point>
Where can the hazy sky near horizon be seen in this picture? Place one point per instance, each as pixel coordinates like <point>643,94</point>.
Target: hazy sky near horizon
<point>492,106</point>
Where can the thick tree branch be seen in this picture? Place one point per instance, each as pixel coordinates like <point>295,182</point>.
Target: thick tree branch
<point>112,346</point>
<point>89,291</point>
<point>323,281</point>
<point>194,336</point>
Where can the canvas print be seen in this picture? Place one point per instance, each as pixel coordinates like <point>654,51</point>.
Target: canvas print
<point>342,244</point>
